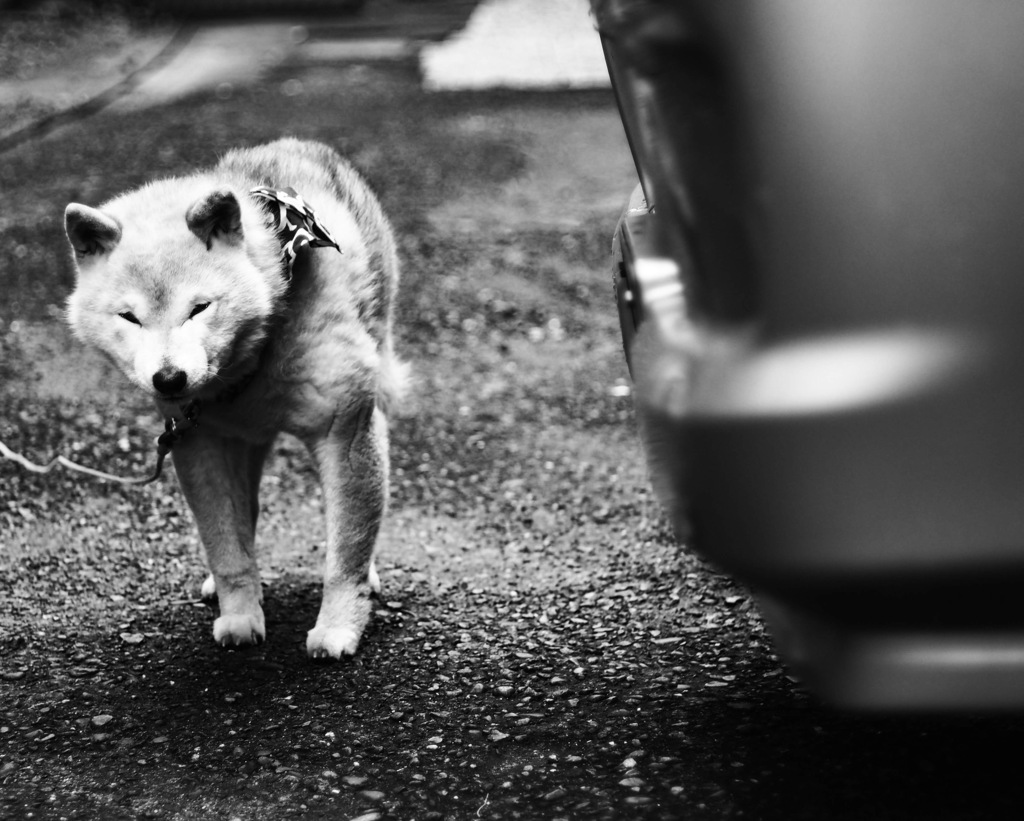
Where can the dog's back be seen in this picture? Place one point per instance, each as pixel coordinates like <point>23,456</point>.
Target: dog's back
<point>326,180</point>
<point>310,166</point>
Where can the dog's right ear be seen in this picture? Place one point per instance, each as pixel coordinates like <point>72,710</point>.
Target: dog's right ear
<point>90,231</point>
<point>217,215</point>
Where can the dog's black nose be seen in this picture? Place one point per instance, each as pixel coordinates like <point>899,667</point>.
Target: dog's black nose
<point>170,380</point>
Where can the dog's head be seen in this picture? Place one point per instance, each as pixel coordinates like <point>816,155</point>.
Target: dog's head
<point>177,290</point>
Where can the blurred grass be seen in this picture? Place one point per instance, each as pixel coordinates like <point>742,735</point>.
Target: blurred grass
<point>37,38</point>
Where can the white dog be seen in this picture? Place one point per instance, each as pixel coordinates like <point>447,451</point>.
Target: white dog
<point>237,305</point>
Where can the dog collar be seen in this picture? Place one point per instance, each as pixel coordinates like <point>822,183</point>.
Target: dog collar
<point>296,223</point>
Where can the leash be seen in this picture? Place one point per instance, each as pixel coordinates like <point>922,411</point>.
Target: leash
<point>174,429</point>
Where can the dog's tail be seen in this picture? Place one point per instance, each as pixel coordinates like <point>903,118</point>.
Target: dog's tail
<point>395,376</point>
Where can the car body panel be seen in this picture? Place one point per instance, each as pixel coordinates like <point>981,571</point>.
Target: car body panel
<point>831,398</point>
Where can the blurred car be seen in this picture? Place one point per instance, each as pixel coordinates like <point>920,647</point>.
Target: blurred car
<point>820,280</point>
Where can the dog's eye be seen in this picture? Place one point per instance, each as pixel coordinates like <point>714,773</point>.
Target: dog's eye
<point>128,316</point>
<point>199,308</point>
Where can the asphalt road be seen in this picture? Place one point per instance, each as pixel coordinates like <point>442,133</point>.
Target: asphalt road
<point>543,648</point>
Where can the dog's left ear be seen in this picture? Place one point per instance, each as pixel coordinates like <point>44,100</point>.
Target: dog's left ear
<point>216,216</point>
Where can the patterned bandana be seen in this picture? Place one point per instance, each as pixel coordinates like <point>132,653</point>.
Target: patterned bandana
<point>296,223</point>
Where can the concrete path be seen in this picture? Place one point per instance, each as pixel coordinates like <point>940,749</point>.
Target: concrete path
<point>533,44</point>
<point>217,55</point>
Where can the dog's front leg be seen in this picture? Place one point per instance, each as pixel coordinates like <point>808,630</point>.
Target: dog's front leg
<point>353,462</point>
<point>220,477</point>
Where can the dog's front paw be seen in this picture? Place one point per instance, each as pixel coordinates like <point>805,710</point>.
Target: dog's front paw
<point>344,614</point>
<point>326,643</point>
<point>239,630</point>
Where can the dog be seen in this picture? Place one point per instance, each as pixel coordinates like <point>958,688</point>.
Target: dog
<point>245,311</point>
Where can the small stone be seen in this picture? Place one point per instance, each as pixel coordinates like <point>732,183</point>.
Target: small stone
<point>132,638</point>
<point>101,720</point>
<point>498,735</point>
<point>628,764</point>
<point>354,780</point>
<point>82,672</point>
<point>633,783</point>
<point>555,794</point>
<point>372,795</point>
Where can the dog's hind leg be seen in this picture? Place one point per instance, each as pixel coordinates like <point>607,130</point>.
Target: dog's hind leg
<point>220,479</point>
<point>353,463</point>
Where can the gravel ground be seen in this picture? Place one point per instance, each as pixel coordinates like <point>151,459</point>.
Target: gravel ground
<point>542,648</point>
<point>537,630</point>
